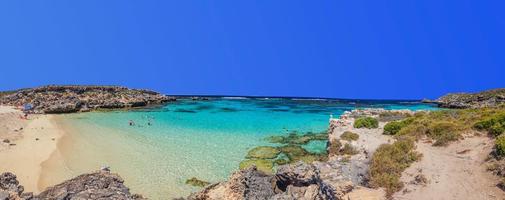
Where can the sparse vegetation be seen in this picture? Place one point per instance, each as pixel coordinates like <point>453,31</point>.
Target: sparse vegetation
<point>349,136</point>
<point>389,161</point>
<point>366,122</point>
<point>500,146</point>
<point>494,125</point>
<point>445,126</point>
<point>348,150</point>
<point>393,116</point>
<point>334,147</point>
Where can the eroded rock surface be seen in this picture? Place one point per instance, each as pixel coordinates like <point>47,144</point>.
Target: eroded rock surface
<point>68,99</point>
<point>97,186</point>
<point>299,181</point>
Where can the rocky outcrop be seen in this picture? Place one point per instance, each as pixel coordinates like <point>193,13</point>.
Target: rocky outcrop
<point>98,185</point>
<point>489,98</point>
<point>68,99</point>
<point>300,181</point>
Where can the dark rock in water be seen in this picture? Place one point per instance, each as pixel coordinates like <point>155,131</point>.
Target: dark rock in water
<point>301,181</point>
<point>69,99</point>
<point>98,185</point>
<point>489,98</point>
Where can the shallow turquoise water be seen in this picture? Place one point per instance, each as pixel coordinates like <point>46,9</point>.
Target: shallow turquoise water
<point>203,139</point>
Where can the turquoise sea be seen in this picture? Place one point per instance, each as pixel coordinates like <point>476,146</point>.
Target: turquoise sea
<point>186,138</point>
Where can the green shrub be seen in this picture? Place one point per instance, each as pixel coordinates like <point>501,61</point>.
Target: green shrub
<point>366,122</point>
<point>349,136</point>
<point>392,128</point>
<point>495,125</point>
<point>500,145</point>
<point>389,161</point>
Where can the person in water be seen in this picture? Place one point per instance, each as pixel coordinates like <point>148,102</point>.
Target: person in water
<point>131,122</point>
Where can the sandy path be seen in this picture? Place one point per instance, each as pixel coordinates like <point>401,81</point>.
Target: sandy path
<point>452,175</point>
<point>26,156</point>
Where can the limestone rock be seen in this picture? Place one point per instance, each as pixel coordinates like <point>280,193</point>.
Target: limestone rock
<point>244,184</point>
<point>489,98</point>
<point>98,185</point>
<point>68,99</point>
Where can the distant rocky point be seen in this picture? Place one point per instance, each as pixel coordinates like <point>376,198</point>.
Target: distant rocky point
<point>488,98</point>
<point>73,98</point>
<point>97,185</point>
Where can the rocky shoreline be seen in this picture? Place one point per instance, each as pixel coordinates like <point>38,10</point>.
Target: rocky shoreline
<point>68,99</point>
<point>343,175</point>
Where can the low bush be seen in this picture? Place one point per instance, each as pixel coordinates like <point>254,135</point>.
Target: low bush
<point>389,161</point>
<point>348,150</point>
<point>445,126</point>
<point>349,136</point>
<point>443,133</point>
<point>494,125</point>
<point>500,146</point>
<point>392,128</point>
<point>334,147</point>
<point>366,122</point>
<point>393,116</point>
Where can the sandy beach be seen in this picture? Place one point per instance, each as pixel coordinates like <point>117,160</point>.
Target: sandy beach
<point>30,142</point>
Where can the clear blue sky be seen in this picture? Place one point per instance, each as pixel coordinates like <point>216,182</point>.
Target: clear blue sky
<point>348,49</point>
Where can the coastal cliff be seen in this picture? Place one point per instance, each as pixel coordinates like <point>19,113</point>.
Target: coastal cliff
<point>68,99</point>
<point>488,98</point>
<point>97,185</point>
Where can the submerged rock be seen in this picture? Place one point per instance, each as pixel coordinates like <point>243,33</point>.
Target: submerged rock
<point>263,152</point>
<point>297,139</point>
<point>264,165</point>
<point>197,182</point>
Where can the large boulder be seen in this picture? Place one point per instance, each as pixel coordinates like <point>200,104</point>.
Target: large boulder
<point>244,184</point>
<point>299,181</point>
<point>98,185</point>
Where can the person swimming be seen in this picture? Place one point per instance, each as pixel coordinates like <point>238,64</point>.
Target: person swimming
<point>131,122</point>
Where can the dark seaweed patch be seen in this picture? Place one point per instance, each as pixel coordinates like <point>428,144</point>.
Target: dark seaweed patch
<point>204,107</point>
<point>229,110</point>
<point>184,110</point>
<point>279,110</point>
